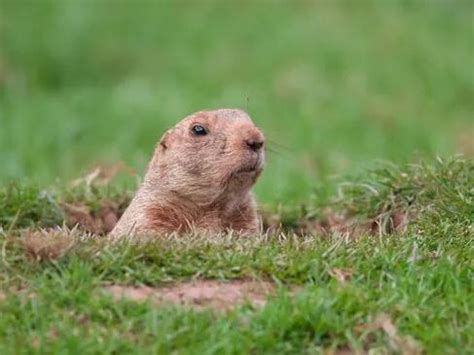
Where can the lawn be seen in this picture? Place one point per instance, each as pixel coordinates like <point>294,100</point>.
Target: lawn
<point>368,190</point>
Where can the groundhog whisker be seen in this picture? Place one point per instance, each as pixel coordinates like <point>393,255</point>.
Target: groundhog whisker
<point>277,150</point>
<point>271,150</point>
<point>277,144</point>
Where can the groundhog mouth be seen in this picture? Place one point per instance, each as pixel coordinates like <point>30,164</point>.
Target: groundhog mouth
<point>245,170</point>
<point>252,167</point>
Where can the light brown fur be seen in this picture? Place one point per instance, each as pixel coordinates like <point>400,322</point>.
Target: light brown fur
<point>200,182</point>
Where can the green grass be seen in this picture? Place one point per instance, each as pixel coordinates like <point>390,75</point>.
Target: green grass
<point>357,100</point>
<point>421,278</point>
<point>427,297</point>
<point>334,85</point>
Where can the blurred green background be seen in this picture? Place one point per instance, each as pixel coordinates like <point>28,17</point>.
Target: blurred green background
<point>335,85</point>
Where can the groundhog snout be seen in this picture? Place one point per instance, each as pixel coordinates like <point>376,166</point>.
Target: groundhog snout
<point>254,145</point>
<point>254,141</point>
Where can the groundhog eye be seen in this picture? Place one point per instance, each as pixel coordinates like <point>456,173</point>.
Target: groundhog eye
<point>199,130</point>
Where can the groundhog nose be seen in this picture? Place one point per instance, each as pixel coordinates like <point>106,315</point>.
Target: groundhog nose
<point>255,144</point>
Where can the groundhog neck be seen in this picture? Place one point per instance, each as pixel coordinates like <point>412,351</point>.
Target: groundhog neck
<point>167,210</point>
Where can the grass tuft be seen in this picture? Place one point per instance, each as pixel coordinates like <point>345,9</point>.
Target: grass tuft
<point>47,245</point>
<point>24,205</point>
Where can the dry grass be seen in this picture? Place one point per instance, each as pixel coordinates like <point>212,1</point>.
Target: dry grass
<point>48,245</point>
<point>399,344</point>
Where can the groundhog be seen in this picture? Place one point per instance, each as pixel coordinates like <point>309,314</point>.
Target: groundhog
<point>200,178</point>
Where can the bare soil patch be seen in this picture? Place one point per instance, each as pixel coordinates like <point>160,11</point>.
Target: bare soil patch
<point>222,296</point>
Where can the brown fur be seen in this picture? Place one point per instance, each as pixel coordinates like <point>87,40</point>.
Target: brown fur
<point>200,182</point>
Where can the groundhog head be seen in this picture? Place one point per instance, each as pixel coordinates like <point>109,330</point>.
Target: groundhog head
<point>209,155</point>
